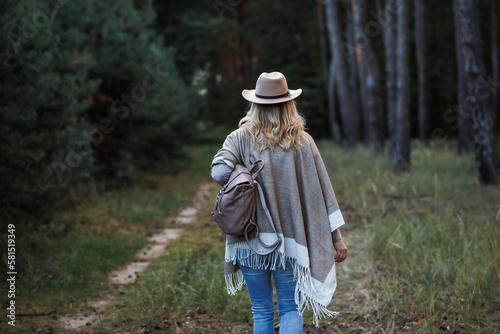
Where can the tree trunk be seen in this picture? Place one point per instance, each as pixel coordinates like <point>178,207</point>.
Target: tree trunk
<point>322,36</point>
<point>423,113</point>
<point>340,75</point>
<point>390,34</point>
<point>485,149</point>
<point>495,56</point>
<point>402,142</point>
<point>330,85</point>
<point>353,74</point>
<point>464,122</point>
<point>378,6</point>
<point>332,110</point>
<point>369,81</point>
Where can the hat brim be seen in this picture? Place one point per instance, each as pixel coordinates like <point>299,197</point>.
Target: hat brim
<point>249,95</point>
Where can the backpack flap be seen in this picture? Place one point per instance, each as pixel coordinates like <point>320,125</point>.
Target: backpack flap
<point>235,203</point>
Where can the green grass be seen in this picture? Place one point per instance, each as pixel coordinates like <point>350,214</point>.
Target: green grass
<point>433,237</point>
<point>188,281</point>
<point>428,240</point>
<point>63,264</point>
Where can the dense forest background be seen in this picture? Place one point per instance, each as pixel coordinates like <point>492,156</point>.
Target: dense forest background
<point>95,94</point>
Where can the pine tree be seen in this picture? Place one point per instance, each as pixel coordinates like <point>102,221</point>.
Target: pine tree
<point>369,80</point>
<point>149,110</point>
<point>402,116</point>
<point>88,92</point>
<point>43,92</point>
<point>485,148</point>
<point>351,129</point>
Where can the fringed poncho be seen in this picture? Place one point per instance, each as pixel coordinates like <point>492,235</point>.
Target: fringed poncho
<point>302,203</point>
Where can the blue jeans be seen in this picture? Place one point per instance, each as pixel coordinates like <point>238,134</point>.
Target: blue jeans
<point>260,290</point>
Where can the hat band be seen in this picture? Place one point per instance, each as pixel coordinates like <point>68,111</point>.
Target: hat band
<point>273,97</point>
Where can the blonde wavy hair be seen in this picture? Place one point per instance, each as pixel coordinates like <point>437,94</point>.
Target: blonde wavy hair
<point>274,124</point>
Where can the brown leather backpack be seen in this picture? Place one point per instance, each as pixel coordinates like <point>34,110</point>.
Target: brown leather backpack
<point>235,206</point>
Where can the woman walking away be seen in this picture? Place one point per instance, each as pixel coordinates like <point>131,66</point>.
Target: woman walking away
<point>301,202</point>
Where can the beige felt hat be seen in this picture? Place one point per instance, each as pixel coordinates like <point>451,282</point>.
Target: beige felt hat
<point>271,88</point>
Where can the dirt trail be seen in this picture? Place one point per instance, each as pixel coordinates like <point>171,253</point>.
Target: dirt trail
<point>158,243</point>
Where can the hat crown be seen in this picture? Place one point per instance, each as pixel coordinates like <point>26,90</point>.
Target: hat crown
<point>271,84</point>
<point>271,88</point>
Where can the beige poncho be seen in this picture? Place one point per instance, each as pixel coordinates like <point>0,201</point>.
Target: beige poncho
<point>302,203</point>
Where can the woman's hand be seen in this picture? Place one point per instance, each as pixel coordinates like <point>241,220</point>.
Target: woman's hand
<point>341,249</point>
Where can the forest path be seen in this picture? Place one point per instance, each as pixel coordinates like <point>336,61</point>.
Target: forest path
<point>158,242</point>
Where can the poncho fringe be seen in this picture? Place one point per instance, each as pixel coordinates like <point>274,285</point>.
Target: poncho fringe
<point>301,274</point>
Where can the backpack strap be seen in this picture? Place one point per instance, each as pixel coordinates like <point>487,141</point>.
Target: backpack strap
<point>273,246</point>
<point>246,151</point>
<point>250,167</point>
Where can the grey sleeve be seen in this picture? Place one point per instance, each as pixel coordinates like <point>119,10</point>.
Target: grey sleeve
<point>336,235</point>
<point>230,151</point>
<point>221,173</point>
